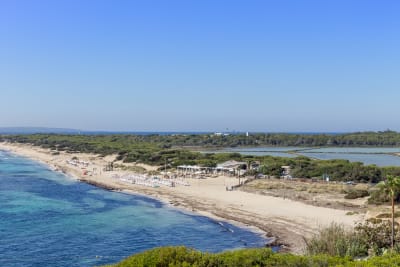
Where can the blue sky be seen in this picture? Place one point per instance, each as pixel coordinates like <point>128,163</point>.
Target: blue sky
<point>201,65</point>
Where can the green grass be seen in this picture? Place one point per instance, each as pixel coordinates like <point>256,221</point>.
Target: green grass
<point>183,257</point>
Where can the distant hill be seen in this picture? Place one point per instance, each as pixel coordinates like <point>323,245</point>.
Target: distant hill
<point>34,130</point>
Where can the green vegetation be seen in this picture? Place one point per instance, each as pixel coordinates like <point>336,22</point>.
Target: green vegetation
<point>356,193</point>
<point>391,186</point>
<point>336,241</point>
<point>184,257</point>
<point>372,237</point>
<point>378,197</point>
<point>332,246</point>
<point>172,150</point>
<point>385,138</point>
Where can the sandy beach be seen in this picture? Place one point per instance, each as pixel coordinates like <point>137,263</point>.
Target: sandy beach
<point>287,220</point>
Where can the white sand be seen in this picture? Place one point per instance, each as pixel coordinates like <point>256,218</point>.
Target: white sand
<point>285,219</point>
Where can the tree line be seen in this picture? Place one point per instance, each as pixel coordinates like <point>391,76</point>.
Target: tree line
<point>383,138</point>
<point>173,150</point>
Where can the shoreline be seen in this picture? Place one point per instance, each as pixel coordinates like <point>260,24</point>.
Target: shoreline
<point>172,204</point>
<point>270,241</point>
<point>281,221</point>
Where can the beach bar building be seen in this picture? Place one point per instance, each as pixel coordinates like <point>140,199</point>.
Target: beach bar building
<point>194,170</point>
<point>232,167</point>
<point>229,168</point>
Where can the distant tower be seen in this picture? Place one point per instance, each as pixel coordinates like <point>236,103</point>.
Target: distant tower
<point>247,134</point>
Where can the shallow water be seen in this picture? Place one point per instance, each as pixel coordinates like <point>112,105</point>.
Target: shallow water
<point>260,151</point>
<point>360,150</point>
<point>380,156</point>
<point>381,160</point>
<point>48,219</point>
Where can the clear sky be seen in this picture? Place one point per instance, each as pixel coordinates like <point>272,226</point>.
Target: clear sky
<point>205,65</point>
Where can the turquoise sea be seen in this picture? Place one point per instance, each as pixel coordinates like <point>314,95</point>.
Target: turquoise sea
<point>49,219</point>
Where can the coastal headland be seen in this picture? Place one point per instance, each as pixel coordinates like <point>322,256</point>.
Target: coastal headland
<point>284,220</point>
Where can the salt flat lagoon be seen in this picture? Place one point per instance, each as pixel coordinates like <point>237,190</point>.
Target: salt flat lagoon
<point>49,219</point>
<point>380,156</point>
<point>260,151</point>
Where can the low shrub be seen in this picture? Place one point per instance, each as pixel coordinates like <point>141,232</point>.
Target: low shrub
<point>335,240</point>
<point>261,257</point>
<point>184,257</point>
<point>378,197</point>
<point>353,194</point>
<point>372,237</point>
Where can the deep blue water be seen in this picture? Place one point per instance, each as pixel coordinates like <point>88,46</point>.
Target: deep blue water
<point>48,219</point>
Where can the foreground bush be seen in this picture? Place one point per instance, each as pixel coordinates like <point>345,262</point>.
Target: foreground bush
<point>335,240</point>
<point>372,237</point>
<point>181,257</point>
